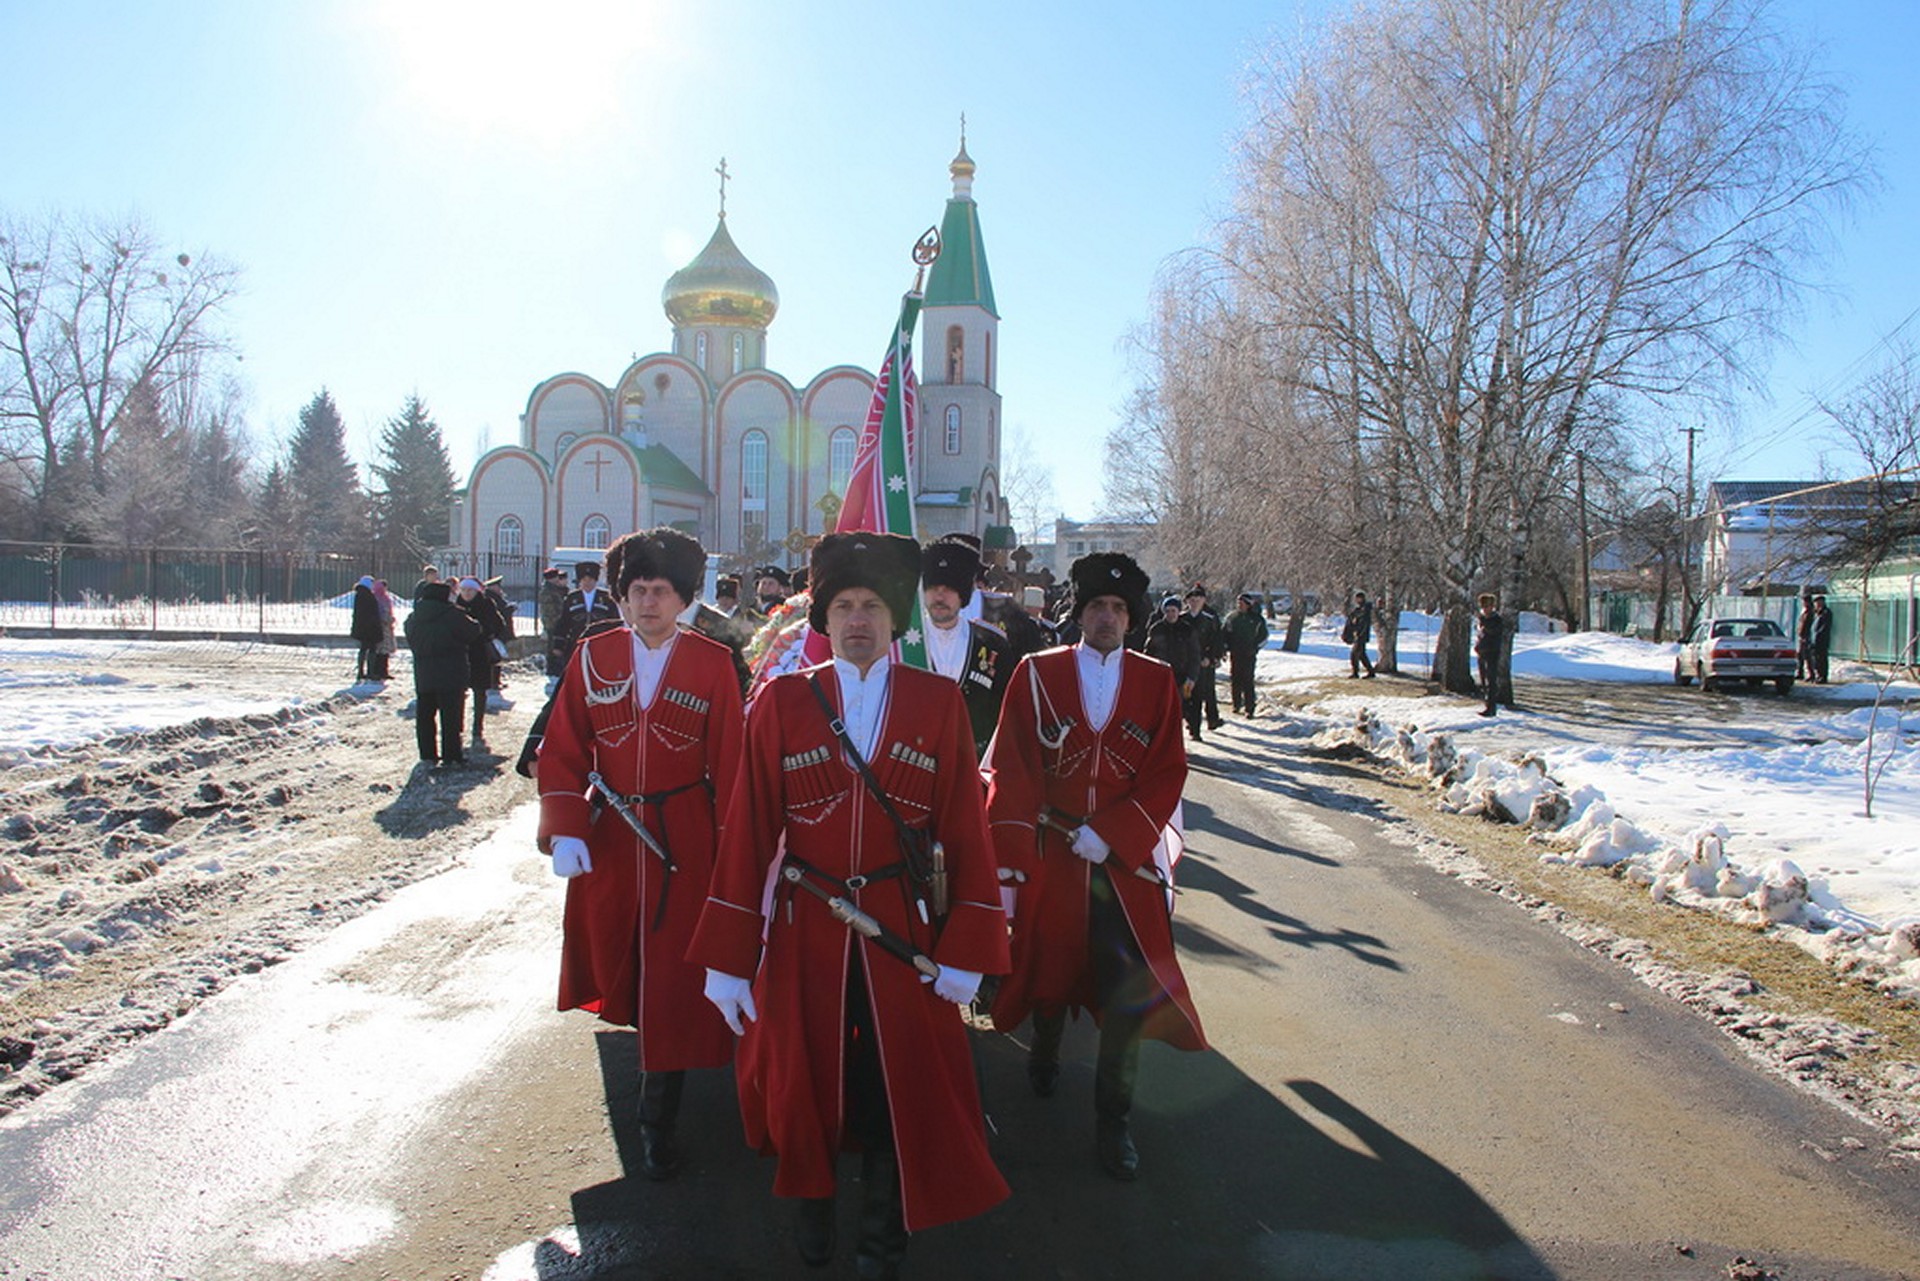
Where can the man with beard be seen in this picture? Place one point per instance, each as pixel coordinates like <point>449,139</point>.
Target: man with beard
<point>975,654</point>
<point>655,711</point>
<point>771,586</point>
<point>1087,768</point>
<point>859,777</point>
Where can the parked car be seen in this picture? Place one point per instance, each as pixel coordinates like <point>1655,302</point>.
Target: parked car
<point>1718,650</point>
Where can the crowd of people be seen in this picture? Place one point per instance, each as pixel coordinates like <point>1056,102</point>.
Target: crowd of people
<point>806,867</point>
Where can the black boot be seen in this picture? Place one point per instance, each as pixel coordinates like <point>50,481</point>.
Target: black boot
<point>816,1231</point>
<point>660,1156</point>
<point>1043,1057</point>
<point>1113,1079</point>
<point>883,1234</point>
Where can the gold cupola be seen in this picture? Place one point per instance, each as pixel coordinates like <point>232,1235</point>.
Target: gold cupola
<point>720,287</point>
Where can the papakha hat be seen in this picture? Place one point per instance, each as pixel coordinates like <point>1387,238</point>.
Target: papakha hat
<point>661,552</point>
<point>950,562</point>
<point>1110,574</point>
<point>887,564</point>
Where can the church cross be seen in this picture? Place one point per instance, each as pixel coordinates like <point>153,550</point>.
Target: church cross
<point>598,461</point>
<point>721,169</point>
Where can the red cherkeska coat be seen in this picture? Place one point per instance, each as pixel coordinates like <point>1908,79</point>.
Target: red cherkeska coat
<point>623,957</point>
<point>1125,781</point>
<point>797,785</point>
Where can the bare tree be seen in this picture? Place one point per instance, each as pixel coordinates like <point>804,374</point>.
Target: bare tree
<point>1026,484</point>
<point>89,311</point>
<point>1476,236</point>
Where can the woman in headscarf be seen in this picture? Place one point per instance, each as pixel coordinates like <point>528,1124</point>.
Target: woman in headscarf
<point>365,629</point>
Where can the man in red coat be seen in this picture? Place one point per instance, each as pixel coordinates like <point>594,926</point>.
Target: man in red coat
<point>845,1044</point>
<point>1086,768</point>
<point>655,710</point>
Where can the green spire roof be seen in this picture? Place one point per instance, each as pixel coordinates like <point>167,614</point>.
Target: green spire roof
<point>959,277</point>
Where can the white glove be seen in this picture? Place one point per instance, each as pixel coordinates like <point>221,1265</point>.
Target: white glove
<point>958,986</point>
<point>733,997</point>
<point>569,856</point>
<point>1088,845</point>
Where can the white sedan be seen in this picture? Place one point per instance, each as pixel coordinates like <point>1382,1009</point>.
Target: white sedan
<point>1719,650</point>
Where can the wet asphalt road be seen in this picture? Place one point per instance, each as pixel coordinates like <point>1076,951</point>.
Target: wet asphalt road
<point>1409,1079</point>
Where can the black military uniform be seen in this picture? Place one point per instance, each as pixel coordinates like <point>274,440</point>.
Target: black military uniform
<point>1171,639</point>
<point>1213,647</point>
<point>583,608</point>
<point>983,661</point>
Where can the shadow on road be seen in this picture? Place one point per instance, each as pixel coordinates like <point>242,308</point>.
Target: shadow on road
<point>1198,875</point>
<point>1237,1181</point>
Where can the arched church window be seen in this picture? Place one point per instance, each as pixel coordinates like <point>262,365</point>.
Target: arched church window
<point>509,536</point>
<point>700,349</point>
<point>841,447</point>
<point>753,471</point>
<point>953,429</point>
<point>986,357</point>
<point>956,353</point>
<point>565,442</point>
<point>596,533</point>
<point>993,433</point>
<point>739,352</point>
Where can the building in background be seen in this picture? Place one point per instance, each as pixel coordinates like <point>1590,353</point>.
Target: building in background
<point>707,437</point>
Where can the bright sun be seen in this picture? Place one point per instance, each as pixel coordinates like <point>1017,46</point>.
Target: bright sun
<point>543,71</point>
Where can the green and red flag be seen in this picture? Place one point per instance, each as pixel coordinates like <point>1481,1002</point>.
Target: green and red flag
<point>880,491</point>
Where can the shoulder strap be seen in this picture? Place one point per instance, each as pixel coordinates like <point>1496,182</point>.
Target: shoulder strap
<point>909,838</point>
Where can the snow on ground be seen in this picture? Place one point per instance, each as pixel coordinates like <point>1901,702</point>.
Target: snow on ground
<point>1754,806</point>
<point>63,692</point>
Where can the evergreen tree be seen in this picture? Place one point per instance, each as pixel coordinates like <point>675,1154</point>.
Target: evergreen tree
<point>219,481</point>
<point>275,526</point>
<point>145,498</point>
<point>322,482</point>
<point>416,482</point>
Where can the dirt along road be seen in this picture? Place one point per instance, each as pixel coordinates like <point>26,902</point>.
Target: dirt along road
<point>1410,1078</point>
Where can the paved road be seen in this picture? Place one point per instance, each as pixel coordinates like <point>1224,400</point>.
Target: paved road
<point>1409,1079</point>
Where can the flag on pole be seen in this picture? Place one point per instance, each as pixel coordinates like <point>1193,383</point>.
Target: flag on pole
<point>880,491</point>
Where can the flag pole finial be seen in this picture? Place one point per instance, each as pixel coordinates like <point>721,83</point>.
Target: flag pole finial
<point>925,251</point>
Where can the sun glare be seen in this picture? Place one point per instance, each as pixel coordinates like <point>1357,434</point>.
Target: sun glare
<point>547,72</point>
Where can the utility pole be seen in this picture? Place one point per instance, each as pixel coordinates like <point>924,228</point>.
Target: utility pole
<point>1586,548</point>
<point>1686,535</point>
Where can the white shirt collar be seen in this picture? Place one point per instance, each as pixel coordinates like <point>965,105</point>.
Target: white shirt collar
<point>947,648</point>
<point>648,664</point>
<point>863,700</point>
<point>1099,682</point>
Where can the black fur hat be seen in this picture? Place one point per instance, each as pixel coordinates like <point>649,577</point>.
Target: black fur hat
<point>660,552</point>
<point>888,564</point>
<point>586,568</point>
<point>951,562</point>
<point>774,572</point>
<point>1110,574</point>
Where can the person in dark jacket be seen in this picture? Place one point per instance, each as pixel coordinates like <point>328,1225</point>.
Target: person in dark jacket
<point>483,655</point>
<point>974,653</point>
<point>440,635</point>
<point>1819,640</point>
<point>586,605</point>
<point>1486,648</point>
<point>1358,631</point>
<point>1246,634</point>
<point>366,630</point>
<point>1170,638</point>
<point>1213,647</point>
<point>1806,637</point>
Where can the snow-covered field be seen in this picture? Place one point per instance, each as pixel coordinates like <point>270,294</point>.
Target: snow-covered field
<point>1750,803</point>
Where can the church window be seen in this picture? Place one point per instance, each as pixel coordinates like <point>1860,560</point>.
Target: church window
<point>566,439</point>
<point>700,349</point>
<point>956,353</point>
<point>509,536</point>
<point>840,450</point>
<point>753,471</point>
<point>993,432</point>
<point>986,347</point>
<point>739,352</point>
<point>953,429</point>
<point>596,533</point>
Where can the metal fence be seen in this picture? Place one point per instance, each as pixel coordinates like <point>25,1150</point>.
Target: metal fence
<point>1891,623</point>
<point>221,590</point>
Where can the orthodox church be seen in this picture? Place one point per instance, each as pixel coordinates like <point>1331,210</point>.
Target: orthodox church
<point>706,436</point>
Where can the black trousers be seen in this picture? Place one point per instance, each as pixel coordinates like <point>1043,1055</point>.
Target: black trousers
<point>448,710</point>
<point>1357,656</point>
<point>1242,682</point>
<point>480,705</point>
<point>1124,992</point>
<point>1206,691</point>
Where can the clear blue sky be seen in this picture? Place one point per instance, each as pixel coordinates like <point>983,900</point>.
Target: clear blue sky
<point>461,199</point>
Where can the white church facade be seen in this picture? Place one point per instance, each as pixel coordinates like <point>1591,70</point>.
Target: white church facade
<point>706,437</point>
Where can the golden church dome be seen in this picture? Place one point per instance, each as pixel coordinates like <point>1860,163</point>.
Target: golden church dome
<point>720,287</point>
